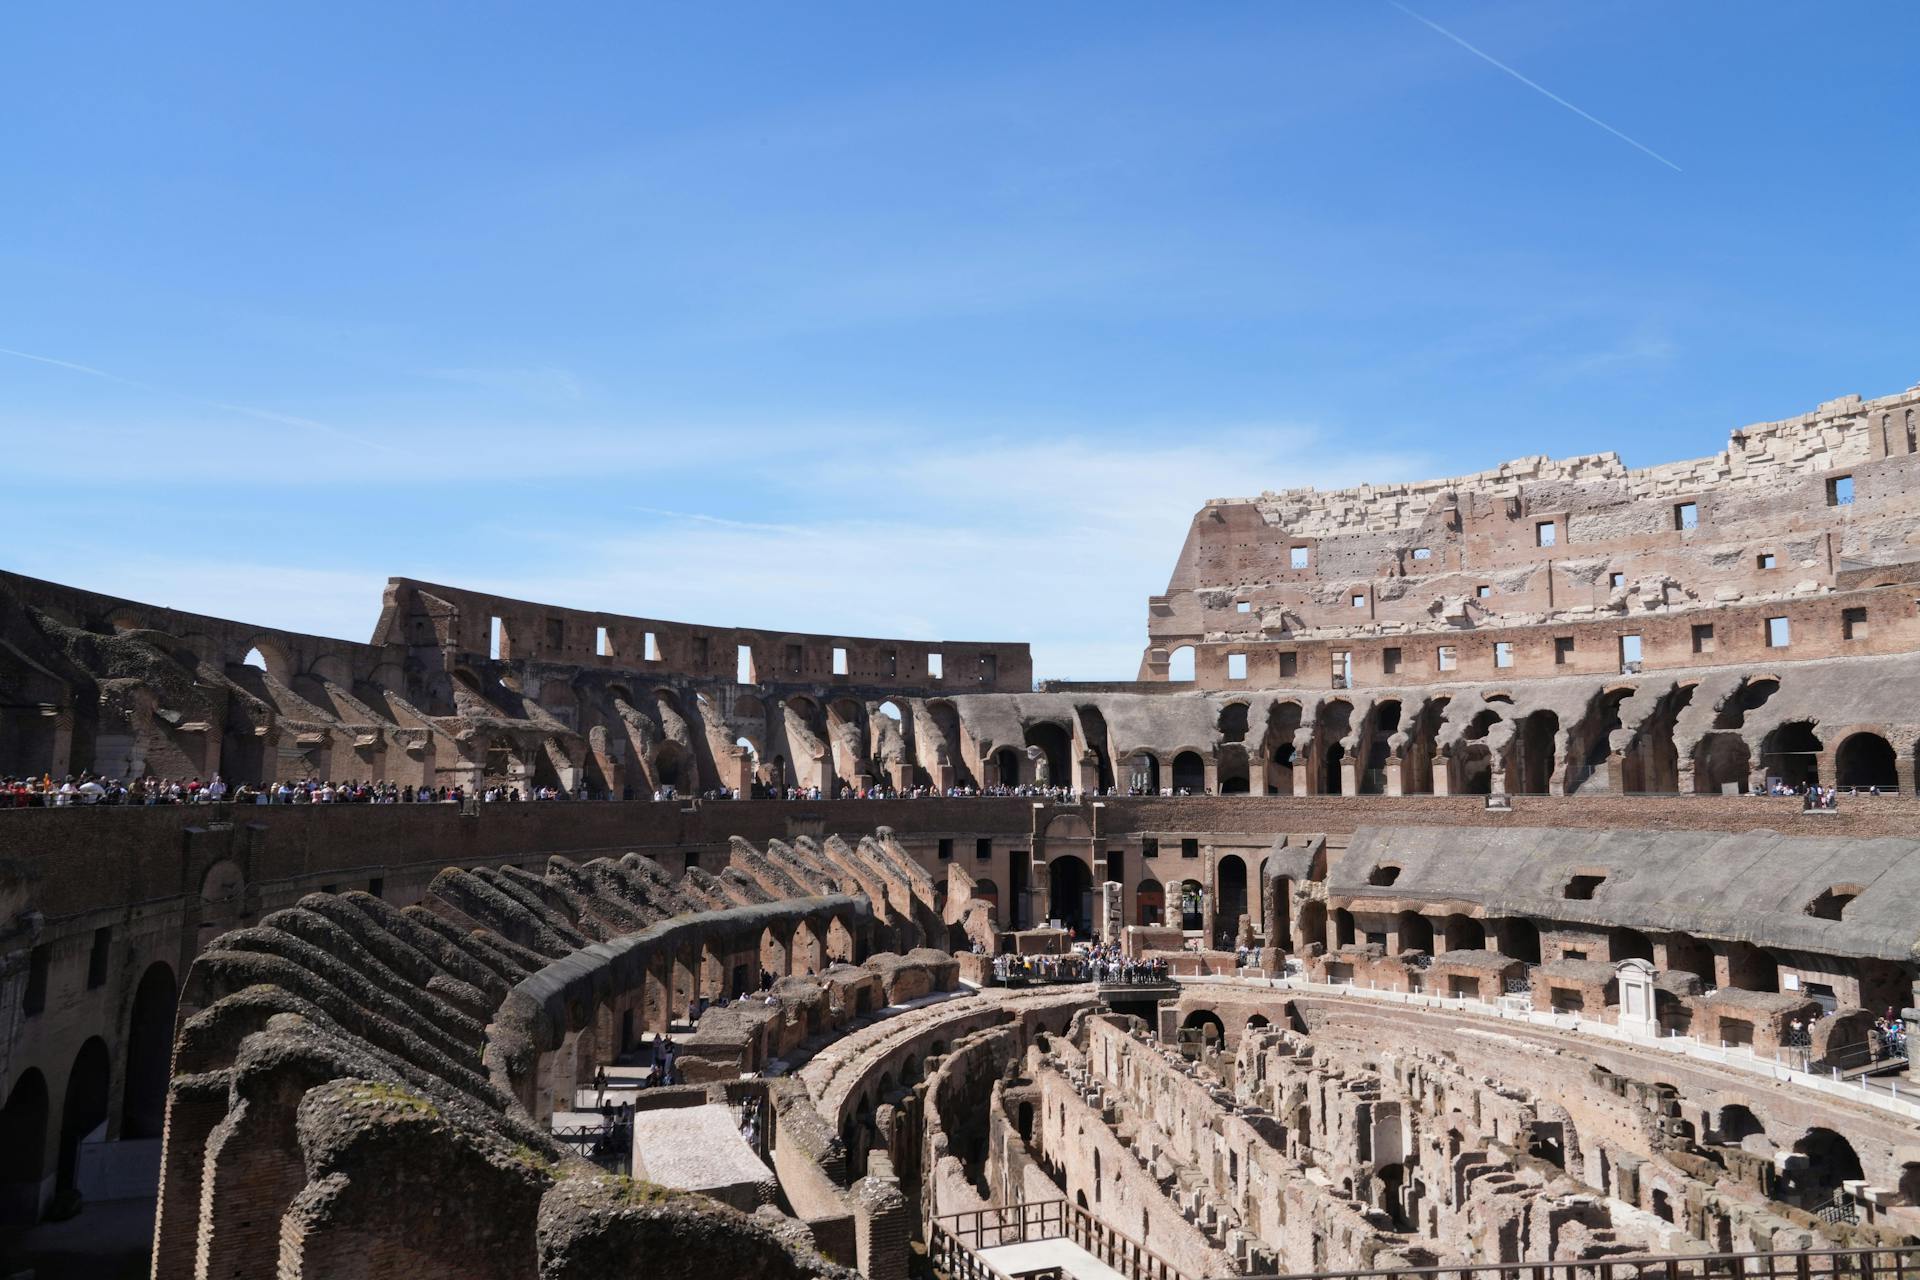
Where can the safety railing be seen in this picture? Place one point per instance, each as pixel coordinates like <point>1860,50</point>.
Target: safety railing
<point>1890,1263</point>
<point>956,1240</point>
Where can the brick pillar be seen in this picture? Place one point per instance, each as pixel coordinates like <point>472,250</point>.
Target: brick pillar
<point>195,1105</point>
<point>253,1170</point>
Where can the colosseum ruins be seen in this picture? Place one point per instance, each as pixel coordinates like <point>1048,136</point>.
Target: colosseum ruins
<point>1511,870</point>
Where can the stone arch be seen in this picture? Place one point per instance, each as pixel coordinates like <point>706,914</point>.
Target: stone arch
<point>1144,773</point>
<point>989,892</point>
<point>1866,759</point>
<point>673,765</point>
<point>1093,729</point>
<point>1180,664</point>
<point>1463,933</point>
<point>1416,932</point>
<point>1533,754</point>
<point>1628,944</point>
<point>1234,774</point>
<point>1189,772</point>
<point>1383,721</point>
<point>23,1148</point>
<point>1230,896</point>
<point>1070,892</point>
<point>1277,746</point>
<point>149,1052</point>
<point>1313,924</point>
<point>265,654</point>
<point>1735,1122</point>
<point>1829,1161</point>
<point>1150,902</point>
<point>83,1107</point>
<point>1720,759</point>
<point>1004,767</point>
<point>1206,1020</point>
<point>1055,742</point>
<point>1791,753</point>
<point>1335,722</point>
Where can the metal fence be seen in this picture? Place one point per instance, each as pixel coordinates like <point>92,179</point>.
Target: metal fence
<point>1813,1264</point>
<point>956,1240</point>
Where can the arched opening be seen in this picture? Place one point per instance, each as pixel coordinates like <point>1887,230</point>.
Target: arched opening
<point>1629,944</point>
<point>1384,723</point>
<point>1830,1160</point>
<point>1180,664</point>
<point>1189,773</point>
<point>1283,722</point>
<point>1056,746</point>
<point>1232,722</point>
<point>989,892</point>
<point>1207,1022</point>
<point>1721,762</point>
<point>23,1148</point>
<point>1464,933</point>
<point>1533,754</point>
<point>1416,932</point>
<point>1791,754</point>
<point>1737,1123</point>
<point>254,658</point>
<point>1336,721</point>
<point>1149,903</point>
<point>1070,891</point>
<point>1093,728</point>
<point>1520,939</point>
<point>1234,779</point>
<point>149,1051</point>
<point>1313,925</point>
<point>890,710</point>
<point>1006,767</point>
<point>1866,760</point>
<point>1143,778</point>
<point>85,1108</point>
<point>1193,905</point>
<point>1230,874</point>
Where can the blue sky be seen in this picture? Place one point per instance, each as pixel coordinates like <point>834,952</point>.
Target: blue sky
<point>932,320</point>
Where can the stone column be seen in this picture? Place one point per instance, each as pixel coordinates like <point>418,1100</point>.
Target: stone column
<point>1396,776</point>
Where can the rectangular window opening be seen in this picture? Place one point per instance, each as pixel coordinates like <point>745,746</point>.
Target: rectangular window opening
<point>1243,606</point>
<point>1423,553</point>
<point>39,966</point>
<point>1703,637</point>
<point>1686,515</point>
<point>1298,557</point>
<point>1390,660</point>
<point>1562,650</point>
<point>1503,653</point>
<point>946,848</point>
<point>839,662</point>
<point>496,638</point>
<point>1289,664</point>
<point>1853,623</point>
<point>796,659</point>
<point>1482,591</point>
<point>1236,666</point>
<point>983,849</point>
<point>743,664</point>
<point>602,645</point>
<point>1342,668</point>
<point>1630,655</point>
<point>1446,658</point>
<point>1779,633</point>
<point>935,667</point>
<point>652,649</point>
<point>1359,602</point>
<point>556,635</point>
<point>1840,491</point>
<point>1616,580</point>
<point>97,960</point>
<point>1765,560</point>
<point>1546,534</point>
<point>1149,846</point>
<point>1190,847</point>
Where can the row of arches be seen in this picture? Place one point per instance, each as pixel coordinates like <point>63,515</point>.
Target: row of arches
<point>27,1117</point>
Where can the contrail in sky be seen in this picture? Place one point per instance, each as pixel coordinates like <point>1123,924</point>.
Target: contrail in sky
<point>264,415</point>
<point>1537,88</point>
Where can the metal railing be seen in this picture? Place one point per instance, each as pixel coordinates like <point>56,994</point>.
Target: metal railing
<point>955,1240</point>
<point>1888,1263</point>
